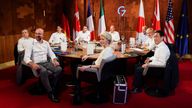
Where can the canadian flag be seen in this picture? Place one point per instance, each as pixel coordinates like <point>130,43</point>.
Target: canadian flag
<point>141,19</point>
<point>76,25</point>
<point>90,23</point>
<point>156,17</point>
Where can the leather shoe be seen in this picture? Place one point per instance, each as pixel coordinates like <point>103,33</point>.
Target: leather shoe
<point>53,97</point>
<point>70,84</point>
<point>136,90</point>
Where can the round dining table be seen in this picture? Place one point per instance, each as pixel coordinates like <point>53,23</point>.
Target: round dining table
<point>72,57</point>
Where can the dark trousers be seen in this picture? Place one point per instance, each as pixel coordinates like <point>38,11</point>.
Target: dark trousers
<point>47,69</point>
<point>75,65</point>
<point>19,74</point>
<point>138,76</point>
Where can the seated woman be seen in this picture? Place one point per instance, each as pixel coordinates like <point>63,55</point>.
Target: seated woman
<point>105,41</point>
<point>107,53</point>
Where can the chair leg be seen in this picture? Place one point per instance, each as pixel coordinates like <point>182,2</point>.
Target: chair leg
<point>77,93</point>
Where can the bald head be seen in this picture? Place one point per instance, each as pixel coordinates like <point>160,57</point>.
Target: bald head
<point>39,30</point>
<point>112,28</point>
<point>39,34</point>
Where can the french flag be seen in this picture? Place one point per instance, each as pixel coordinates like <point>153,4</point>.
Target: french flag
<point>90,24</point>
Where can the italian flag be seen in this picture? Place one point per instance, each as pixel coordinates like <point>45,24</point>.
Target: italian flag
<point>102,26</point>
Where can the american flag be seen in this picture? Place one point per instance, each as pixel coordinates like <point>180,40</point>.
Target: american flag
<point>169,26</point>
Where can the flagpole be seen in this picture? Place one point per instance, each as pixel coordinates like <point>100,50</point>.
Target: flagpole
<point>94,14</point>
<point>85,12</point>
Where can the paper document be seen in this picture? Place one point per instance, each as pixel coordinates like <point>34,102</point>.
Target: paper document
<point>90,48</point>
<point>137,49</point>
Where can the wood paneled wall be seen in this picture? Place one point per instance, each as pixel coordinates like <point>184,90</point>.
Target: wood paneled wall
<point>7,44</point>
<point>7,47</point>
<point>18,14</point>
<point>30,14</point>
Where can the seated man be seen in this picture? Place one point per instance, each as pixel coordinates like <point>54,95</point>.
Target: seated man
<point>114,34</point>
<point>24,42</point>
<point>83,35</point>
<point>142,37</point>
<point>148,45</point>
<point>160,58</point>
<point>149,42</point>
<point>58,37</point>
<point>36,56</point>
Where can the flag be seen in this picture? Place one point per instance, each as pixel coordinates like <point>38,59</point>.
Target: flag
<point>182,38</point>
<point>169,25</point>
<point>76,22</point>
<point>156,17</point>
<point>102,26</point>
<point>66,28</point>
<point>141,19</point>
<point>90,24</point>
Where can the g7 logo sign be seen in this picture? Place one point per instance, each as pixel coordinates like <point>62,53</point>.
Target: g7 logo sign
<point>121,10</point>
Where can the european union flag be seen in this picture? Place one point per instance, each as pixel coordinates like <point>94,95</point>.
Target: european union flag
<point>182,38</point>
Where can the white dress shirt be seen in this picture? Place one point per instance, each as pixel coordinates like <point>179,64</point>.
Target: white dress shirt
<point>83,36</point>
<point>38,52</point>
<point>58,38</point>
<point>115,36</point>
<point>23,43</point>
<point>161,55</point>
<point>150,43</point>
<point>141,39</point>
<point>107,52</point>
